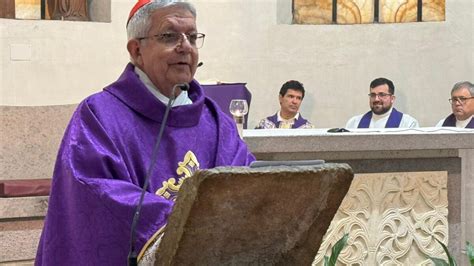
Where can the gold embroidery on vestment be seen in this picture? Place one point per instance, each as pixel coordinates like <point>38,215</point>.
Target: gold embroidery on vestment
<point>186,168</point>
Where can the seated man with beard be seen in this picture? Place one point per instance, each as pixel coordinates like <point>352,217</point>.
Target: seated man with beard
<point>382,114</point>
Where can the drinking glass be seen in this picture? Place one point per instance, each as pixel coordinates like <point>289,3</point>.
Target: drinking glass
<point>239,108</point>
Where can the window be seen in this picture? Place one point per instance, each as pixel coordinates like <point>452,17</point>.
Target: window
<point>367,11</point>
<point>75,10</point>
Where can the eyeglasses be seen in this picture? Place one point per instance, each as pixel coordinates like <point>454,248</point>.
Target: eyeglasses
<point>380,95</point>
<point>172,39</point>
<point>461,100</point>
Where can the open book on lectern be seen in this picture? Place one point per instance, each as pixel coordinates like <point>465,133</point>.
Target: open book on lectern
<point>263,215</point>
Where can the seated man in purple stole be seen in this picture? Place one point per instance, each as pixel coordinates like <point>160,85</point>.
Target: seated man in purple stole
<point>290,97</point>
<point>382,113</point>
<point>462,105</point>
<point>107,148</point>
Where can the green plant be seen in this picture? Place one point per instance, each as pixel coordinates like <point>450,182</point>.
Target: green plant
<point>470,252</point>
<point>451,261</point>
<point>441,262</point>
<point>336,250</point>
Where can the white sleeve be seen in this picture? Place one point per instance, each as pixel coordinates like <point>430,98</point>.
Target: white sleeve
<point>408,122</point>
<point>353,122</point>
<point>440,123</point>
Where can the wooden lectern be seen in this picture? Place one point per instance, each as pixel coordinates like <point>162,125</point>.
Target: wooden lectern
<point>266,215</point>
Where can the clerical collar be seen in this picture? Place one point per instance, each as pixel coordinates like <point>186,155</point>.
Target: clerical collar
<point>182,99</point>
<point>463,123</point>
<point>280,119</point>
<point>377,117</point>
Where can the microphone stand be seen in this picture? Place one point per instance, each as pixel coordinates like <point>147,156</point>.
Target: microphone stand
<point>132,255</point>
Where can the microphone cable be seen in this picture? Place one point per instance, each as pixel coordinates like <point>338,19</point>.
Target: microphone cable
<point>132,255</point>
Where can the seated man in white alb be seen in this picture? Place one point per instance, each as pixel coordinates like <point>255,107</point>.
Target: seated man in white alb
<point>462,105</point>
<point>382,114</point>
<point>291,96</point>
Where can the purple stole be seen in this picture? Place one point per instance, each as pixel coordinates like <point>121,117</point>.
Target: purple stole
<point>393,120</point>
<point>450,121</point>
<point>298,122</point>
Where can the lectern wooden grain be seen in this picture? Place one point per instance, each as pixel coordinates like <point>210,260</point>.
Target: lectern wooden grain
<point>274,215</point>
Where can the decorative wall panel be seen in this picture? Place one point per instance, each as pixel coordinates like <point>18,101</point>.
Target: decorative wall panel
<point>76,10</point>
<point>398,10</point>
<point>392,219</point>
<point>355,11</point>
<point>434,10</point>
<point>28,9</point>
<point>367,11</point>
<point>312,12</point>
<point>7,9</point>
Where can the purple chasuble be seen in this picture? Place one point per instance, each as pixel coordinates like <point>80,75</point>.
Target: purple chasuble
<point>298,122</point>
<point>450,121</point>
<point>393,120</point>
<point>102,161</point>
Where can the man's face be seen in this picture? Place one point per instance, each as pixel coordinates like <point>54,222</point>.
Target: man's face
<point>380,99</point>
<point>290,102</point>
<point>462,111</point>
<point>167,65</point>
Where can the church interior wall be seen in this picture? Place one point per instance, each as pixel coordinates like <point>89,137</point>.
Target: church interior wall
<point>62,62</point>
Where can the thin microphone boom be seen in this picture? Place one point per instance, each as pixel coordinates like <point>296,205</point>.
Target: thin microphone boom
<point>132,255</point>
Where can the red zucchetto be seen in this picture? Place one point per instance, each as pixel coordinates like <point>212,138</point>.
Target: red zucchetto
<point>136,7</point>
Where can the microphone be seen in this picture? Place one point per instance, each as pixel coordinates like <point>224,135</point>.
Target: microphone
<point>200,64</point>
<point>132,255</point>
<point>183,87</point>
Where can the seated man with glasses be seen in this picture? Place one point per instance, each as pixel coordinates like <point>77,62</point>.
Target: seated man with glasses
<point>109,150</point>
<point>462,105</point>
<point>290,98</point>
<point>382,114</point>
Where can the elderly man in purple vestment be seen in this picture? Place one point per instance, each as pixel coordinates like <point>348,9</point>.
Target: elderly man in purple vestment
<point>107,147</point>
<point>290,97</point>
<point>462,105</point>
<point>382,113</point>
